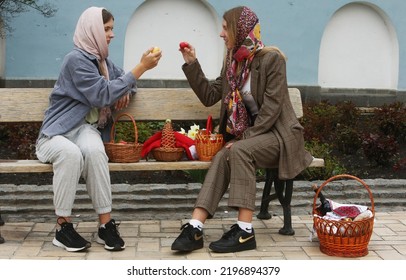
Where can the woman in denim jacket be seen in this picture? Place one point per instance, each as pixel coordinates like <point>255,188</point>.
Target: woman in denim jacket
<point>88,88</point>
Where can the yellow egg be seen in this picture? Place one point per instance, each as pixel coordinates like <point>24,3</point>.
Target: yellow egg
<point>156,49</point>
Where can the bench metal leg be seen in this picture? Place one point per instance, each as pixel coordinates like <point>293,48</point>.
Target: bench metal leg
<point>283,191</point>
<point>285,199</point>
<point>267,197</point>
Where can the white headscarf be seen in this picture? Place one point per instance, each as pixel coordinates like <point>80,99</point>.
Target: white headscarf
<point>91,37</point>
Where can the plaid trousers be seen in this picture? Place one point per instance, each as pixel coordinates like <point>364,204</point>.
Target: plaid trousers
<point>235,168</point>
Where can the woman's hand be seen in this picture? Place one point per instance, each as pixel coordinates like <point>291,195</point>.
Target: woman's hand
<point>148,61</point>
<point>122,102</point>
<point>188,53</point>
<point>229,144</point>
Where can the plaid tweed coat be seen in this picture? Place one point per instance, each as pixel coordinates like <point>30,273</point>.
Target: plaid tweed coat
<point>270,91</point>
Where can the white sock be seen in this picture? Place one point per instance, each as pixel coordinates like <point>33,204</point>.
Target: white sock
<point>196,224</point>
<point>245,226</point>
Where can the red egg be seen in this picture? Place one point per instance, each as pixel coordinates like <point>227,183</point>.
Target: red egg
<point>183,45</point>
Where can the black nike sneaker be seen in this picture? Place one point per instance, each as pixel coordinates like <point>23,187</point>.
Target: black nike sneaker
<point>235,240</point>
<point>189,239</point>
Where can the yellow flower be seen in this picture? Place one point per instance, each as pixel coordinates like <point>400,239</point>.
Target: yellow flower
<point>192,131</point>
<point>191,134</point>
<point>194,127</point>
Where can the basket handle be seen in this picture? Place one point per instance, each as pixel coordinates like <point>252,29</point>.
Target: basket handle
<point>209,124</point>
<point>113,131</point>
<point>341,177</point>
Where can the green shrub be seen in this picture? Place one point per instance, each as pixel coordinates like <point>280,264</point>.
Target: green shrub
<point>347,140</point>
<point>319,121</point>
<point>400,165</point>
<point>20,139</point>
<point>347,114</point>
<point>124,131</point>
<point>391,120</point>
<point>379,148</point>
<point>331,165</point>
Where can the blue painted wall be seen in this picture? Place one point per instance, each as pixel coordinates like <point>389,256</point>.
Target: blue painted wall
<point>37,46</point>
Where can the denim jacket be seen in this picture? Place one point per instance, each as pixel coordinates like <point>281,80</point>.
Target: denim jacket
<point>79,88</point>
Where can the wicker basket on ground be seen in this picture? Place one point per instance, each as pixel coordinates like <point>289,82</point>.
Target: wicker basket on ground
<point>343,238</point>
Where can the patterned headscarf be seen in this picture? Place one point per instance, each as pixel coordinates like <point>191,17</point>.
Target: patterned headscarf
<point>248,43</point>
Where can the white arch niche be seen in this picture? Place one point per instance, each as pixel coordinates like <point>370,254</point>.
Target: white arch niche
<point>166,23</point>
<point>359,49</point>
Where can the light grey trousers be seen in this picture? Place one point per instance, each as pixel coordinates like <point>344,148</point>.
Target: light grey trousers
<point>78,153</point>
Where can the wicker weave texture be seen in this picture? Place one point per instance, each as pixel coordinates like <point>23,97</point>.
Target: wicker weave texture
<point>207,144</point>
<point>343,238</point>
<point>168,150</point>
<point>123,152</point>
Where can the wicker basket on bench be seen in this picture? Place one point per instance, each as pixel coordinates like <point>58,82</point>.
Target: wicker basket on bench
<point>123,152</point>
<point>208,143</point>
<point>168,150</point>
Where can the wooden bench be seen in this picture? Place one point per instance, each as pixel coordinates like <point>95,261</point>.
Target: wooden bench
<point>28,105</point>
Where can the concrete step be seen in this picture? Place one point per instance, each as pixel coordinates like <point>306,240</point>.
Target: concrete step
<point>151,201</point>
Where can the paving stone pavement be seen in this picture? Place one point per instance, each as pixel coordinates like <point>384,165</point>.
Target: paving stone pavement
<point>151,240</point>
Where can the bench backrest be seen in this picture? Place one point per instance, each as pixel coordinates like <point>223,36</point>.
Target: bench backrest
<point>149,104</point>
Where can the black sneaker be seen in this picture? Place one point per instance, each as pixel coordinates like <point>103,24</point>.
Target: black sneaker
<point>68,238</point>
<point>189,239</point>
<point>235,240</point>
<point>110,237</point>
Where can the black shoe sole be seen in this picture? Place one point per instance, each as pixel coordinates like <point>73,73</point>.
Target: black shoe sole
<point>183,248</point>
<point>57,243</point>
<point>238,248</point>
<point>116,247</point>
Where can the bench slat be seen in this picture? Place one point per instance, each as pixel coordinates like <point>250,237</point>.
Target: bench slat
<point>149,104</point>
<point>35,166</point>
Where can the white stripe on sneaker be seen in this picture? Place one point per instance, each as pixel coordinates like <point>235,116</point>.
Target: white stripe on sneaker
<point>69,249</point>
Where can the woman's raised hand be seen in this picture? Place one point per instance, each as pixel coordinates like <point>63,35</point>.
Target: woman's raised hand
<point>149,60</point>
<point>151,57</point>
<point>188,52</point>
